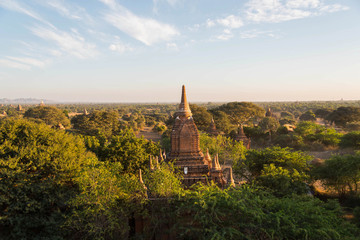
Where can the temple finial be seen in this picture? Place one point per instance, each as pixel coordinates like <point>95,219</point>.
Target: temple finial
<point>184,109</point>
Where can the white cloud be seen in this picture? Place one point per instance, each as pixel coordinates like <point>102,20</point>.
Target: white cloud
<point>285,10</point>
<point>12,64</point>
<point>119,47</point>
<point>70,11</point>
<point>230,22</point>
<point>146,30</point>
<point>15,6</point>
<point>210,23</point>
<point>22,63</point>
<point>71,43</point>
<point>29,61</point>
<point>226,35</point>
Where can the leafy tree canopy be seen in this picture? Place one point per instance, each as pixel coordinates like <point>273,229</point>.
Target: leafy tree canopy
<point>250,213</point>
<point>201,117</point>
<point>344,115</point>
<point>37,170</point>
<point>279,169</point>
<point>48,114</point>
<point>342,173</point>
<point>103,122</point>
<point>308,116</point>
<point>240,112</point>
<point>125,149</point>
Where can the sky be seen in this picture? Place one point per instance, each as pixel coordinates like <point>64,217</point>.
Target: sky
<point>145,50</point>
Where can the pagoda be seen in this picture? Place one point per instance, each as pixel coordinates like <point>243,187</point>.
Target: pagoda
<point>212,128</point>
<point>185,149</point>
<point>242,137</point>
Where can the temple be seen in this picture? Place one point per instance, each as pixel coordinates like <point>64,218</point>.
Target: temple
<point>185,149</point>
<point>242,137</point>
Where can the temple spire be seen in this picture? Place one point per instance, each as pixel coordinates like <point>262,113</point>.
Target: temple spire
<point>184,109</point>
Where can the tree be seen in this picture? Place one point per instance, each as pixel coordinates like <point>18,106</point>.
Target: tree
<point>278,169</point>
<point>344,115</point>
<point>308,116</point>
<point>240,112</point>
<point>229,151</point>
<point>104,123</point>
<point>125,148</point>
<point>312,133</point>
<point>37,170</point>
<point>323,112</point>
<point>351,139</point>
<point>48,114</point>
<point>202,117</point>
<point>269,124</point>
<point>222,121</point>
<point>341,173</point>
<point>246,212</point>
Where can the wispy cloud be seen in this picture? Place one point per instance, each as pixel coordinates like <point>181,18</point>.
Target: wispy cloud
<point>22,63</point>
<point>29,61</point>
<point>69,42</point>
<point>282,10</point>
<point>21,8</point>
<point>70,11</point>
<point>146,30</point>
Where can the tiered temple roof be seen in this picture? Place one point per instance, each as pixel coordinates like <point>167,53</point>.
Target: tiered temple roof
<point>185,149</point>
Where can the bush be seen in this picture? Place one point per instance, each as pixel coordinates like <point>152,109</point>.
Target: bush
<point>351,139</point>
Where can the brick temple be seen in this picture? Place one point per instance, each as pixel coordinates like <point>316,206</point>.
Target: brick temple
<point>185,150</point>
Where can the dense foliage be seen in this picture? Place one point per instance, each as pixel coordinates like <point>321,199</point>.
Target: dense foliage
<point>278,169</point>
<point>49,115</point>
<point>37,170</point>
<point>208,212</point>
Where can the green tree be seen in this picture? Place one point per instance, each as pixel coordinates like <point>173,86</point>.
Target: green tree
<point>323,112</point>
<point>241,112</point>
<point>202,117</point>
<point>104,123</point>
<point>344,115</point>
<point>229,151</point>
<point>208,212</point>
<point>351,139</point>
<point>125,149</point>
<point>278,169</point>
<point>308,116</point>
<point>341,173</point>
<point>37,170</point>
<point>48,114</point>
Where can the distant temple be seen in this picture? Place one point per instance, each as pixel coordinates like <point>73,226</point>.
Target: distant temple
<point>185,150</point>
<point>268,113</point>
<point>42,103</point>
<point>242,137</point>
<point>212,129</point>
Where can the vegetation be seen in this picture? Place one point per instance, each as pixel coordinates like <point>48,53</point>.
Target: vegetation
<point>83,183</point>
<point>49,115</point>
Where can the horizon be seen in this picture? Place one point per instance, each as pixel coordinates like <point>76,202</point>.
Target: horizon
<point>140,52</point>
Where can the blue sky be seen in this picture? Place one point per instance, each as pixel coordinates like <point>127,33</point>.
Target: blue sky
<point>143,51</point>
